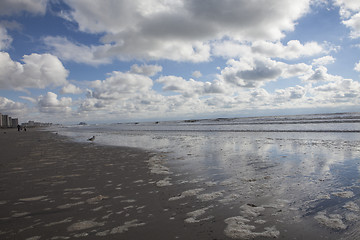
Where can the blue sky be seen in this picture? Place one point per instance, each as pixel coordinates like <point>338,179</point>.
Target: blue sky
<point>117,61</point>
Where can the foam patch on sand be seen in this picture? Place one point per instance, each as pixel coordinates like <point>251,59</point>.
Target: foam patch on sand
<point>67,220</point>
<point>69,205</point>
<point>344,194</point>
<point>32,199</point>
<point>210,196</point>
<point>334,221</point>
<point>238,228</point>
<point>84,225</point>
<point>22,214</point>
<point>126,226</point>
<point>187,193</point>
<point>163,183</point>
<point>156,167</point>
<point>96,199</point>
<point>352,206</point>
<point>193,216</point>
<point>249,210</point>
<point>229,198</point>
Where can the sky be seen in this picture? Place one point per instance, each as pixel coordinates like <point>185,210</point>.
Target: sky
<point>104,61</point>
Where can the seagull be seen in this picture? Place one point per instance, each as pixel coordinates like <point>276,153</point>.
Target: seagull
<point>92,138</point>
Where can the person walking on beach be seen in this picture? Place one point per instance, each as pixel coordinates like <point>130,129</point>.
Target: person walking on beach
<point>19,127</point>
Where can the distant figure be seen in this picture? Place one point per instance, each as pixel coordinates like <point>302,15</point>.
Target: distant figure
<point>25,129</point>
<point>19,128</point>
<point>92,139</point>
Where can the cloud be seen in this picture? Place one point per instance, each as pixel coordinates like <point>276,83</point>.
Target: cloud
<point>180,30</point>
<point>293,50</point>
<point>350,13</point>
<point>49,103</point>
<point>255,72</point>
<point>323,61</point>
<point>38,71</point>
<point>70,89</point>
<point>320,74</point>
<point>5,39</point>
<point>344,91</point>
<point>120,85</point>
<point>357,67</point>
<point>8,106</point>
<point>288,94</point>
<point>147,70</point>
<point>196,74</point>
<point>68,51</point>
<point>36,7</point>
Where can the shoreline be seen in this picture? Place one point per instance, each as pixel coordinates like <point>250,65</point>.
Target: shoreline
<point>54,188</point>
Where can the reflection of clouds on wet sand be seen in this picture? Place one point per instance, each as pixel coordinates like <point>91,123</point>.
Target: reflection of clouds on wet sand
<point>288,177</point>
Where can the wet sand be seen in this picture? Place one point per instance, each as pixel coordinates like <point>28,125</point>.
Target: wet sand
<point>51,188</point>
<point>55,189</point>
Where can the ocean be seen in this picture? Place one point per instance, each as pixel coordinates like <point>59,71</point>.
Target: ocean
<point>277,172</point>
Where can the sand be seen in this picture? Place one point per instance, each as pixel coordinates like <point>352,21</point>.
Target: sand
<point>52,188</point>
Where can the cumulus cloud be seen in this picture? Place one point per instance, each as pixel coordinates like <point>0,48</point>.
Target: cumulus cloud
<point>357,67</point>
<point>323,61</point>
<point>350,12</point>
<point>70,89</point>
<point>80,53</point>
<point>320,74</point>
<point>50,103</point>
<point>293,50</point>
<point>8,106</point>
<point>5,39</point>
<point>345,91</point>
<point>252,73</point>
<point>120,85</point>
<point>9,7</point>
<point>37,71</point>
<point>196,74</point>
<point>181,30</point>
<point>147,70</point>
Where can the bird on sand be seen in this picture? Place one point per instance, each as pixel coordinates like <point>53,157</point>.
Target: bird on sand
<point>92,139</point>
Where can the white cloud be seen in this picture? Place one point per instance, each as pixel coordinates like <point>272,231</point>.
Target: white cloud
<point>350,12</point>
<point>320,74</point>
<point>9,7</point>
<point>70,89</point>
<point>68,51</point>
<point>147,70</point>
<point>38,71</point>
<point>342,91</point>
<point>8,106</point>
<point>181,30</point>
<point>323,61</point>
<point>357,67</point>
<point>255,72</point>
<point>120,85</point>
<point>5,39</point>
<point>49,103</point>
<point>196,74</point>
<point>293,50</point>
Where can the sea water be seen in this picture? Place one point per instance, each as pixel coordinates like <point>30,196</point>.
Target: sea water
<point>278,172</point>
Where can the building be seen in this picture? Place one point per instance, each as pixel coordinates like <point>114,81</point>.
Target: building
<point>14,122</point>
<point>9,122</point>
<point>5,121</point>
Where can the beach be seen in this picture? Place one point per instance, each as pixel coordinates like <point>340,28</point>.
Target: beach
<point>55,188</point>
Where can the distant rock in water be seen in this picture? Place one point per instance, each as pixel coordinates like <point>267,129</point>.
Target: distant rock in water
<point>82,123</point>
